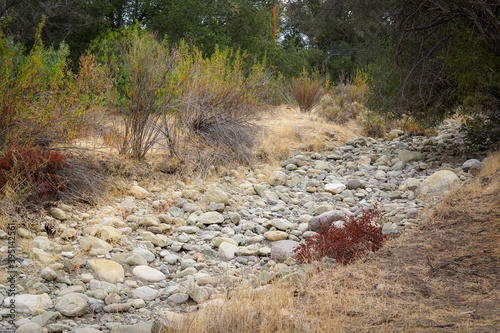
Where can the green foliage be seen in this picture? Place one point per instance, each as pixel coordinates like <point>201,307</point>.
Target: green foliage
<point>239,24</point>
<point>40,100</point>
<point>483,128</point>
<point>439,58</point>
<point>149,90</point>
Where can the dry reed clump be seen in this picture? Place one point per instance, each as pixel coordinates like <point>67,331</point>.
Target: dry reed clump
<point>442,276</point>
<point>307,91</point>
<point>31,176</point>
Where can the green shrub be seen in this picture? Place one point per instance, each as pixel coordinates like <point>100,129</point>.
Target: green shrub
<point>41,102</point>
<point>483,130</point>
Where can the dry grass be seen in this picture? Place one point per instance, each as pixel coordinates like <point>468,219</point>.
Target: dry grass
<point>286,131</point>
<point>442,277</point>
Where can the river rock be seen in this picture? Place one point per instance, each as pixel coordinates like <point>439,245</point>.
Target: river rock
<point>146,293</point>
<point>275,235</point>
<point>148,274</point>
<point>48,274</point>
<point>211,218</point>
<point>107,270</point>
<point>26,303</point>
<point>95,246</point>
<point>148,255</point>
<point>145,327</point>
<point>197,293</point>
<point>335,188</point>
<point>72,305</point>
<point>438,183</point>
<point>410,156</point>
<point>42,256</point>
<point>29,328</point>
<point>110,234</point>
<point>138,192</point>
<point>353,184</point>
<point>216,195</point>
<point>177,299</point>
<point>278,178</point>
<point>135,259</point>
<point>58,213</point>
<point>473,166</point>
<point>282,224</point>
<point>283,249</point>
<point>217,241</point>
<point>325,220</point>
<point>227,251</point>
<point>117,307</point>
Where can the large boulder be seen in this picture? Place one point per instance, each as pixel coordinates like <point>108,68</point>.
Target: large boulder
<point>438,183</point>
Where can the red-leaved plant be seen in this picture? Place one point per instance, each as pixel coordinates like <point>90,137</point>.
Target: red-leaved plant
<point>32,171</point>
<point>346,243</point>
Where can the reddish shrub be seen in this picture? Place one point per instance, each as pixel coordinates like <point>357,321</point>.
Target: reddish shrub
<point>32,171</point>
<point>344,243</point>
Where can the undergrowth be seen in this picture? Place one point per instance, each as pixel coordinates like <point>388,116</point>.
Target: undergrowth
<point>32,172</point>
